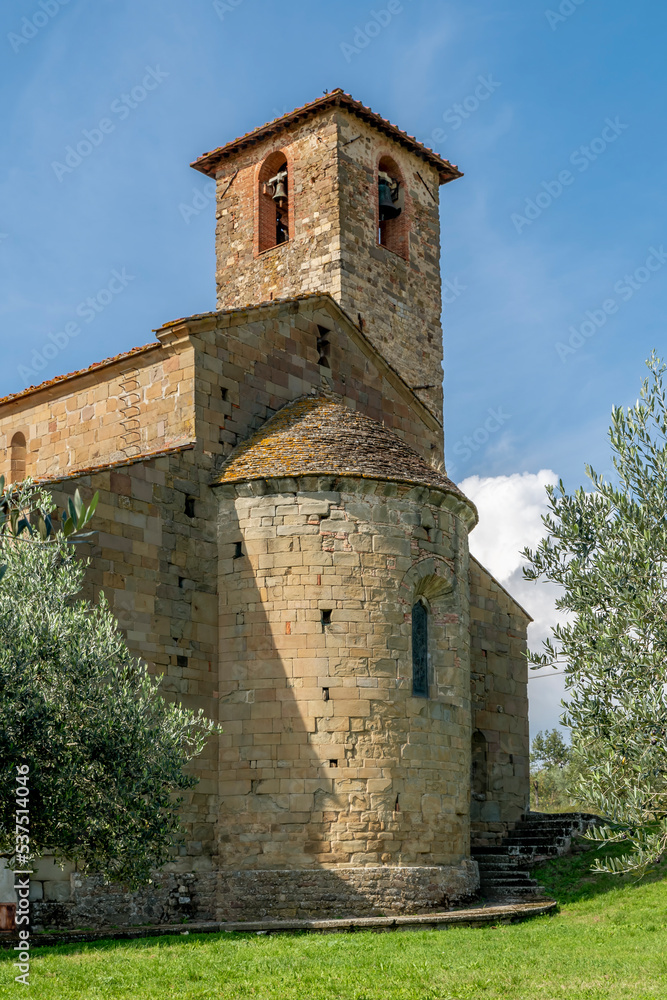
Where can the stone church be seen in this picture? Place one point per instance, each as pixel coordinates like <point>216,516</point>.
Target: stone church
<point>278,538</point>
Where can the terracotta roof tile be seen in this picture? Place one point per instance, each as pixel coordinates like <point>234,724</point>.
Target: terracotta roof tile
<point>81,371</point>
<point>89,470</point>
<point>208,163</point>
<point>320,435</point>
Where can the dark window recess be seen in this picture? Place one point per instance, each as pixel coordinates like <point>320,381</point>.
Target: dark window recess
<point>189,507</point>
<point>238,550</point>
<point>419,650</point>
<point>325,694</point>
<point>326,619</point>
<point>224,392</point>
<point>181,580</point>
<point>393,223</point>
<point>273,202</point>
<point>181,661</point>
<point>478,758</point>
<point>333,763</point>
<point>323,346</point>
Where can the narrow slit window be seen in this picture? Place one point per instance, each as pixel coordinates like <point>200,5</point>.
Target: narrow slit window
<point>419,650</point>
<point>323,347</point>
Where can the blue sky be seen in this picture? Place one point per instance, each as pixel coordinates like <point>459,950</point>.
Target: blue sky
<point>562,204</point>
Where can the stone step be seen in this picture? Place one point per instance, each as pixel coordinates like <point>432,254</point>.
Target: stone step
<point>503,892</point>
<point>514,882</point>
<point>500,871</point>
<point>550,823</point>
<point>522,836</point>
<point>538,831</point>
<point>504,869</point>
<point>500,861</point>
<point>514,856</point>
<point>544,846</point>
<point>537,817</point>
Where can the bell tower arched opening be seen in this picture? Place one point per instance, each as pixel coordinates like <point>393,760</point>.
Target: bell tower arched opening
<point>392,214</point>
<point>273,203</point>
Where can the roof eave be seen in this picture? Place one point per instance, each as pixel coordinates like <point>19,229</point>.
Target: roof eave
<point>209,163</point>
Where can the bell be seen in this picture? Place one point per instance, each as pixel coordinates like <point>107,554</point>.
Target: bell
<point>388,210</point>
<point>280,193</point>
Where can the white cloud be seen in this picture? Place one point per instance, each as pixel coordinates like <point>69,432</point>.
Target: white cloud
<point>510,511</point>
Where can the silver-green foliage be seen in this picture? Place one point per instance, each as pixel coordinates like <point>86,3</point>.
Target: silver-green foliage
<point>106,753</point>
<point>607,547</point>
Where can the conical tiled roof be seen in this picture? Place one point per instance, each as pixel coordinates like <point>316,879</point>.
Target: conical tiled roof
<point>320,435</point>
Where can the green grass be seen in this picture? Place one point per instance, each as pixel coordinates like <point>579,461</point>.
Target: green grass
<point>609,941</point>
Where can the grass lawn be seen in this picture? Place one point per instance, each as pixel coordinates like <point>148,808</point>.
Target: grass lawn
<point>608,941</point>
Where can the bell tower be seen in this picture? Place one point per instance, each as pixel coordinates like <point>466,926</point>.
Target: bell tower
<point>334,198</point>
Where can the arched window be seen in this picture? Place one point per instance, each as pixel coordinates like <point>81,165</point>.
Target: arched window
<point>274,193</point>
<point>392,215</point>
<point>479,766</point>
<point>420,649</point>
<point>17,457</point>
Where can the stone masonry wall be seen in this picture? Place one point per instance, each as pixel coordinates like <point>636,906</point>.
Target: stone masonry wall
<point>327,759</point>
<point>499,691</point>
<point>332,166</point>
<point>248,363</point>
<point>399,300</point>
<point>251,362</point>
<point>310,261</point>
<point>77,901</point>
<point>344,891</point>
<point>142,402</point>
<point>157,567</point>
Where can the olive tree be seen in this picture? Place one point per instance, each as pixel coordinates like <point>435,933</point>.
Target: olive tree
<point>106,754</point>
<point>607,547</point>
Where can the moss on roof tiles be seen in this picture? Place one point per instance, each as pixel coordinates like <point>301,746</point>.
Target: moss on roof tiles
<point>320,435</point>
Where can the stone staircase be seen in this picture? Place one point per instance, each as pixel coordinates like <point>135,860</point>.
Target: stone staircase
<point>504,869</point>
